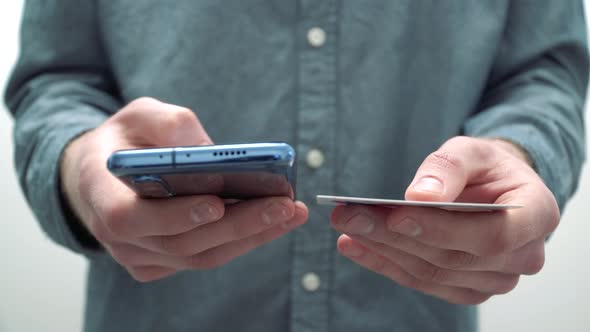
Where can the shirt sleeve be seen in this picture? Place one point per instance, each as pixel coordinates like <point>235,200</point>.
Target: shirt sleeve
<point>60,88</point>
<point>536,89</point>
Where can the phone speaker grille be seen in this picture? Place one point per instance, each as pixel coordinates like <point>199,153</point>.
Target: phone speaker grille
<point>229,153</point>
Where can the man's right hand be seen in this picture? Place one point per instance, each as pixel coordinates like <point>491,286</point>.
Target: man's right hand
<point>154,238</point>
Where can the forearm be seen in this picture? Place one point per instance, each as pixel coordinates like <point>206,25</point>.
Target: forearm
<point>535,95</point>
<point>57,92</point>
<point>42,130</point>
<point>549,130</point>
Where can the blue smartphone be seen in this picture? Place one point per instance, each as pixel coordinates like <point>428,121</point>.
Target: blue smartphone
<point>231,171</point>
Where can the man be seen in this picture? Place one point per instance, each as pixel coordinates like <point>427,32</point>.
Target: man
<point>441,101</point>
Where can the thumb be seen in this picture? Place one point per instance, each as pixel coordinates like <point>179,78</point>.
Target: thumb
<point>445,173</point>
<point>149,122</point>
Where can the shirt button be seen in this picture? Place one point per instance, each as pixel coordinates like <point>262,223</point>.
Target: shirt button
<point>314,158</point>
<point>316,37</point>
<point>310,282</point>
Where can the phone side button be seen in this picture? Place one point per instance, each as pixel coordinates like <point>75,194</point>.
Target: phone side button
<point>150,186</point>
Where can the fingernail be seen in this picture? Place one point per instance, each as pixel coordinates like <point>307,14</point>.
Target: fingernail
<point>407,226</point>
<point>352,250</point>
<point>204,212</point>
<point>359,224</point>
<point>429,183</point>
<point>276,213</point>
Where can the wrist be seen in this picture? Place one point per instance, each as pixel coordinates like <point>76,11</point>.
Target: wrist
<point>69,179</point>
<point>69,187</point>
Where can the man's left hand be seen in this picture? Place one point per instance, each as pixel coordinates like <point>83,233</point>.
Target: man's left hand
<point>461,257</point>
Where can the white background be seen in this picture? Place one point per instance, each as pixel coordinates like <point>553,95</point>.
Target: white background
<point>42,285</point>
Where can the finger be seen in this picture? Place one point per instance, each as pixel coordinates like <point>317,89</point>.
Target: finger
<point>360,219</point>
<point>478,233</point>
<point>150,273</point>
<point>445,173</point>
<point>128,216</point>
<point>242,184</point>
<point>129,255</point>
<point>223,254</point>
<point>241,220</point>
<point>149,122</point>
<point>257,184</point>
<point>526,260</point>
<point>485,282</point>
<point>379,264</point>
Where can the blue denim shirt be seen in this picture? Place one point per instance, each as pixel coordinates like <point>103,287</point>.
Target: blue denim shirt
<point>373,85</point>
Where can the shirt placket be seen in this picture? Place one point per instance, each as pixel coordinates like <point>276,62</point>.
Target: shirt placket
<point>316,124</point>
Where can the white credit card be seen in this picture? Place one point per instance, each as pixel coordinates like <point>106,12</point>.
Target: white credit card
<point>451,206</point>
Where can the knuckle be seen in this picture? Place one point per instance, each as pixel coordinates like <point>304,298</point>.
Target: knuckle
<point>178,118</point>
<point>142,102</point>
<point>508,284</point>
<point>433,274</point>
<point>445,159</point>
<point>392,221</point>
<point>476,147</point>
<point>394,237</point>
<point>438,275</point>
<point>460,140</point>
<point>535,262</point>
<point>456,259</point>
<point>553,222</point>
<point>553,214</point>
